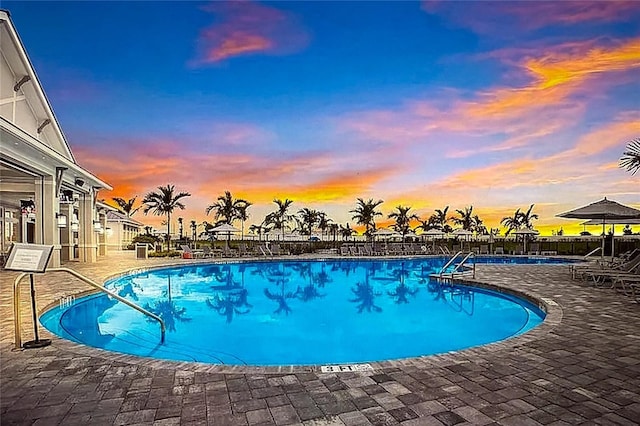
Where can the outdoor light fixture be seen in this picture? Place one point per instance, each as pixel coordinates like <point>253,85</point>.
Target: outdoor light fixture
<point>22,81</point>
<point>62,220</point>
<point>44,124</point>
<point>79,182</point>
<point>75,223</point>
<point>97,226</point>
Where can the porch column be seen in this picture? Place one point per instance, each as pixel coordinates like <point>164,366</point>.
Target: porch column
<point>87,241</point>
<point>46,224</point>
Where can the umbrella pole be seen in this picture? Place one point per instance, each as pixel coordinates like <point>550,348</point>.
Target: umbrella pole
<point>613,237</point>
<point>603,236</point>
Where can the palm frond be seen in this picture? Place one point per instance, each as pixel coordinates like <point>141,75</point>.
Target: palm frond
<point>630,159</point>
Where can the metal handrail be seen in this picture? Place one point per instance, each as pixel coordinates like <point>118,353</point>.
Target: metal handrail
<point>592,252</point>
<point>459,265</point>
<point>16,302</point>
<point>446,265</point>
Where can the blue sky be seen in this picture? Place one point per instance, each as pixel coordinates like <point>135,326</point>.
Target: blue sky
<point>427,104</point>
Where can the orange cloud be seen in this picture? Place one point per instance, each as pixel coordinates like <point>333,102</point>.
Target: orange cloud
<point>238,44</point>
<point>558,69</point>
<point>555,98</point>
<point>245,27</point>
<point>309,179</point>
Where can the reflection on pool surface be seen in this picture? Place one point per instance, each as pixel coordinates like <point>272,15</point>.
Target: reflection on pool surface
<point>294,312</point>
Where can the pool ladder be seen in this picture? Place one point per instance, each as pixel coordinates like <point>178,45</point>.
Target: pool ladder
<point>16,303</point>
<point>459,270</point>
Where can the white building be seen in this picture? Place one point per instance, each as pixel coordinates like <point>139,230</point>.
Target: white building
<point>46,197</point>
<point>121,230</point>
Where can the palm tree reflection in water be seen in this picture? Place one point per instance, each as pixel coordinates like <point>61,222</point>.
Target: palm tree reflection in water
<point>365,295</point>
<point>231,298</point>
<point>167,309</point>
<point>279,276</point>
<point>402,290</point>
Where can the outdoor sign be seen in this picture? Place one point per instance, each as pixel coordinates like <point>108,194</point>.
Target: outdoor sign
<point>28,257</point>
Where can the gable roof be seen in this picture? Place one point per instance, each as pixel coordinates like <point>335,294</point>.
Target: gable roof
<point>27,85</point>
<point>116,216</point>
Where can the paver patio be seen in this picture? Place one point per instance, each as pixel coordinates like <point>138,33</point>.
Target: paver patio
<point>582,366</point>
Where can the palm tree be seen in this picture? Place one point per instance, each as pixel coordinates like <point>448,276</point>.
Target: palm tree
<point>259,229</point>
<point>365,214</point>
<point>226,208</point>
<point>439,220</point>
<point>403,219</point>
<point>280,217</point>
<point>242,214</point>
<point>346,231</point>
<point>127,206</point>
<point>478,226</point>
<point>466,218</point>
<point>333,229</point>
<point>519,220</point>
<point>631,157</point>
<point>308,219</point>
<point>526,218</point>
<point>180,229</point>
<point>323,222</point>
<point>512,223</point>
<point>164,202</point>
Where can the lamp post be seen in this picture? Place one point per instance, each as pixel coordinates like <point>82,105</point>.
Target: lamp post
<point>180,228</point>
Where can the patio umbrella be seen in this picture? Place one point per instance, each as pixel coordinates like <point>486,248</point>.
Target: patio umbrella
<point>603,211</point>
<point>225,228</point>
<point>383,232</point>
<point>526,232</point>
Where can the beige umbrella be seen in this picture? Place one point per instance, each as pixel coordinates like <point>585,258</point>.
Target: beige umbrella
<point>225,228</point>
<point>603,211</point>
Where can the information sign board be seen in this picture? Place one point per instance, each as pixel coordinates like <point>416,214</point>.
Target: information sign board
<point>28,257</point>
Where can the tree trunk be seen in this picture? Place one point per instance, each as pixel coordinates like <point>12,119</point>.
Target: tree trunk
<point>168,231</point>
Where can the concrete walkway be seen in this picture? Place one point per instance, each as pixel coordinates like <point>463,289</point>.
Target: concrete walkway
<point>582,366</point>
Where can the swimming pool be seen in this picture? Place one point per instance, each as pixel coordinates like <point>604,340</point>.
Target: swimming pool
<point>297,312</point>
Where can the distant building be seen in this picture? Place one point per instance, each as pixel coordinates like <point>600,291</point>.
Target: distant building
<point>121,230</point>
<point>46,197</point>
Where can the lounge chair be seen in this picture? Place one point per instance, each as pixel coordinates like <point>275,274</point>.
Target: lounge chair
<point>264,250</point>
<point>629,284</point>
<point>598,265</point>
<point>207,252</point>
<point>600,276</point>
<point>188,253</point>
<point>499,250</point>
<point>484,249</point>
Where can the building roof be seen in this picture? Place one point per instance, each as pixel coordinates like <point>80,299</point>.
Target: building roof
<point>116,216</point>
<point>42,138</point>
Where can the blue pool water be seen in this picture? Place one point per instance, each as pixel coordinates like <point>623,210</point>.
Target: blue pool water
<point>294,312</point>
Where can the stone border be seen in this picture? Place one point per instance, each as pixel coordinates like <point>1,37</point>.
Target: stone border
<point>553,318</point>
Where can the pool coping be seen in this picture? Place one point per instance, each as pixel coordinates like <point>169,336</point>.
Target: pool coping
<point>553,318</point>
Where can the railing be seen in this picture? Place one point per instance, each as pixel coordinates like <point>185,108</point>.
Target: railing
<point>592,252</point>
<point>449,263</point>
<point>16,302</point>
<point>459,265</point>
<point>449,275</point>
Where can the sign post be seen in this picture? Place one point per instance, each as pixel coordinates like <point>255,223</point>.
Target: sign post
<point>30,258</point>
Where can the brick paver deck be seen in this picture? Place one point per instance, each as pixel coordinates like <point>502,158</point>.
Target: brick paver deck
<point>582,366</point>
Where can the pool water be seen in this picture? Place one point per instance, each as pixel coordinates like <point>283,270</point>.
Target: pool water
<point>293,313</point>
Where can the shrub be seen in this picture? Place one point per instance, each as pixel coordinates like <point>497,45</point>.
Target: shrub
<point>165,253</point>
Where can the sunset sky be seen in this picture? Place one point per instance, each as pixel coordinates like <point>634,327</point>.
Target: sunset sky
<point>427,104</point>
